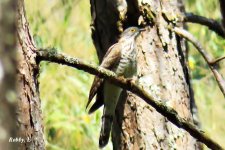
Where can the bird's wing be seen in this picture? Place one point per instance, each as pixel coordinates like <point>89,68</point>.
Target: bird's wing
<point>110,59</point>
<point>112,56</point>
<point>99,100</point>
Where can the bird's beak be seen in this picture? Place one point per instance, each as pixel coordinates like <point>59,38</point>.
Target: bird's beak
<point>142,29</point>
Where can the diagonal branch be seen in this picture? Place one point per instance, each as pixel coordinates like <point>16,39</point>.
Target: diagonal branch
<point>211,63</point>
<point>210,23</point>
<point>169,113</point>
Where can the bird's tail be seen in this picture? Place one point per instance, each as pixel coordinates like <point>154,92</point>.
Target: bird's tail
<point>105,130</point>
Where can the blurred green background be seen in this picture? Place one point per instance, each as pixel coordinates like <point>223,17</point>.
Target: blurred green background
<point>64,24</point>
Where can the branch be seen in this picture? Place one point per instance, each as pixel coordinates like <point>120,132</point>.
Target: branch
<point>210,23</point>
<point>211,63</point>
<point>222,10</point>
<point>217,60</point>
<point>169,113</point>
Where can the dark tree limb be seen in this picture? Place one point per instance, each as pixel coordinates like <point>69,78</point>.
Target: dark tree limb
<point>210,23</point>
<point>169,113</point>
<point>211,63</point>
<point>222,10</point>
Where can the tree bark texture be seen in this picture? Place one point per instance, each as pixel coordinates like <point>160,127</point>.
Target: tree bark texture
<point>162,70</point>
<point>7,74</point>
<point>29,105</point>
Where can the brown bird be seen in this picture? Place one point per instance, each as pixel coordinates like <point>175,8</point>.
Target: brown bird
<point>121,59</point>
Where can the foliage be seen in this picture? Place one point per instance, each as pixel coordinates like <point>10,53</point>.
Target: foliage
<point>64,24</point>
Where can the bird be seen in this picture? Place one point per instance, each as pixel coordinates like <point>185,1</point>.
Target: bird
<point>121,59</point>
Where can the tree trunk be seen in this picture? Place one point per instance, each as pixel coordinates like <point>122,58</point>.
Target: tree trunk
<point>7,74</point>
<point>29,105</point>
<point>162,70</point>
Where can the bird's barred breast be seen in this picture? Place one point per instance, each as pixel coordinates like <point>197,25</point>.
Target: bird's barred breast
<point>127,64</point>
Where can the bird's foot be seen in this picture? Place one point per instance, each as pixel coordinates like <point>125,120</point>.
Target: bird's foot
<point>133,79</point>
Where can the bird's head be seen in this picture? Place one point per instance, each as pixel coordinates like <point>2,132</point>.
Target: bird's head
<point>131,32</point>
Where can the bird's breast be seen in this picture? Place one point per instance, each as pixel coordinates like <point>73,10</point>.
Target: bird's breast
<point>127,63</point>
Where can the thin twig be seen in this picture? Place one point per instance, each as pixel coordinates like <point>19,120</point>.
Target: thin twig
<point>169,113</point>
<point>216,61</point>
<point>185,34</point>
<point>210,23</point>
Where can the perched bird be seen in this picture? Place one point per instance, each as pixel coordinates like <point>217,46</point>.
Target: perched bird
<point>121,59</point>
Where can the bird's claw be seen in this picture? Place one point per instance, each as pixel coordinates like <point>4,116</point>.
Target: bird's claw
<point>132,80</point>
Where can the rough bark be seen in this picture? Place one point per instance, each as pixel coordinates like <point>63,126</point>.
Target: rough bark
<point>29,111</point>
<point>7,74</point>
<point>162,71</point>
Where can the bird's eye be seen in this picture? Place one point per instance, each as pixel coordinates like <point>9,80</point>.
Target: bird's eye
<point>132,30</point>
